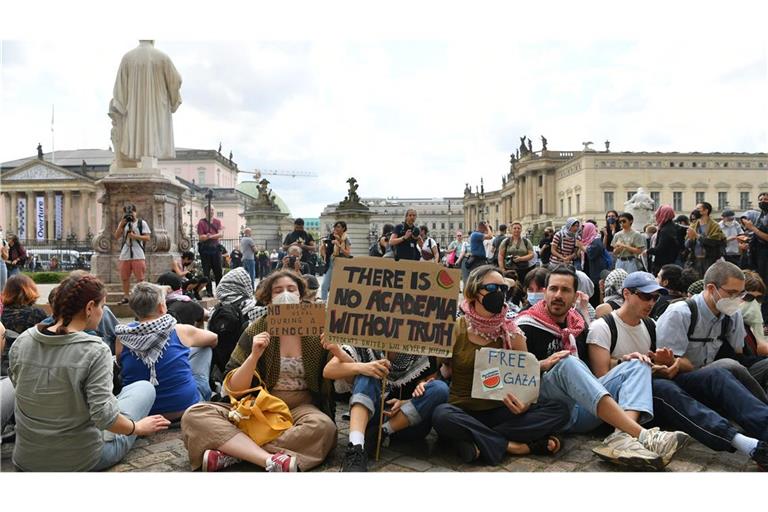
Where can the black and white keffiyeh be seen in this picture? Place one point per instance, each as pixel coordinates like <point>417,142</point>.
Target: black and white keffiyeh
<point>237,286</point>
<point>147,341</point>
<point>405,367</point>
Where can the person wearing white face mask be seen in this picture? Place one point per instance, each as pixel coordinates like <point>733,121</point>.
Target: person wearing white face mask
<point>534,286</point>
<point>718,321</point>
<point>291,369</point>
<point>732,230</point>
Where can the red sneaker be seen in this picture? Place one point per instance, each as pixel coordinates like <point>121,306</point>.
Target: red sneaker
<point>214,460</point>
<point>281,462</point>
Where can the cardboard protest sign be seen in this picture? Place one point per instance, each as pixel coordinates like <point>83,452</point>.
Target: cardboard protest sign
<point>399,306</point>
<point>296,319</point>
<point>499,371</point>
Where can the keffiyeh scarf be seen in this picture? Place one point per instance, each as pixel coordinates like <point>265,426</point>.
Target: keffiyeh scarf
<point>538,316</point>
<point>237,286</point>
<point>147,341</point>
<point>497,326</point>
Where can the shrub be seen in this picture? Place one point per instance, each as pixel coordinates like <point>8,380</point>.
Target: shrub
<point>47,277</point>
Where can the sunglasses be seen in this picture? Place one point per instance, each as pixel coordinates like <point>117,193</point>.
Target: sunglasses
<point>645,297</point>
<point>749,298</point>
<point>493,288</point>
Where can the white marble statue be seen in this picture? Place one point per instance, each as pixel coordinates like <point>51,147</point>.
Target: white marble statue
<point>146,93</point>
<point>641,206</point>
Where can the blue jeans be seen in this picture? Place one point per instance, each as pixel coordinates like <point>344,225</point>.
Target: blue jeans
<point>250,267</point>
<point>13,271</point>
<point>3,274</point>
<point>326,286</point>
<point>570,382</point>
<point>200,361</point>
<point>134,401</point>
<point>367,391</point>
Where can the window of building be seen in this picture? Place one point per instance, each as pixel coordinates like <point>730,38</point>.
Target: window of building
<point>570,212</point>
<point>541,180</point>
<point>497,208</point>
<point>725,164</point>
<point>700,197</point>
<point>561,208</point>
<point>201,177</point>
<point>629,195</point>
<point>578,203</point>
<point>451,225</point>
<point>656,196</point>
<point>541,206</point>
<point>722,200</point>
<point>434,225</point>
<point>608,200</point>
<point>743,200</point>
<point>442,225</point>
<point>218,177</point>
<point>220,214</point>
<point>677,201</point>
<point>461,225</point>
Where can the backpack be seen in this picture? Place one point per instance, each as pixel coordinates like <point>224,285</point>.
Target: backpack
<point>426,254</point>
<point>582,345</point>
<point>724,326</point>
<point>228,322</point>
<point>614,305</point>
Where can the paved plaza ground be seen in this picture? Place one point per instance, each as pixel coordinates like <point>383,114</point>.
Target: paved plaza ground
<point>165,452</point>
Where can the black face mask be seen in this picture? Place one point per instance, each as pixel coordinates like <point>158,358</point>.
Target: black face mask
<point>493,302</point>
<point>764,206</point>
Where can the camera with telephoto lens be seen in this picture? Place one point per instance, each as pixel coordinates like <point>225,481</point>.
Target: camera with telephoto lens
<point>128,213</point>
<point>415,231</point>
<point>292,261</point>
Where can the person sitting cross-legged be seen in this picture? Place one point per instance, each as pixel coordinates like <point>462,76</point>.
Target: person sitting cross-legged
<point>412,392</point>
<point>633,334</point>
<point>174,357</point>
<point>554,330</point>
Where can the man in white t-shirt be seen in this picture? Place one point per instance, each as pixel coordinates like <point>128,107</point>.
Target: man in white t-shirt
<point>675,404</point>
<point>134,233</point>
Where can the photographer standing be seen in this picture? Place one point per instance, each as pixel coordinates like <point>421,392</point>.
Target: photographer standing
<point>134,233</point>
<point>209,229</point>
<point>406,238</point>
<point>336,245</point>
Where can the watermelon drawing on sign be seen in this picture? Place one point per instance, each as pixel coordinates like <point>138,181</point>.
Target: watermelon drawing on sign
<point>491,379</point>
<point>444,279</point>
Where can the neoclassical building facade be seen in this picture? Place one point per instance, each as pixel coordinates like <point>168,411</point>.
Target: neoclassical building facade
<point>543,188</point>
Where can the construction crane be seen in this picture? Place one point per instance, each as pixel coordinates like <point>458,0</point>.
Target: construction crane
<point>258,173</point>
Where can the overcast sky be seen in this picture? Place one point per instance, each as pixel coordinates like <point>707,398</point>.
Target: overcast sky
<point>413,102</point>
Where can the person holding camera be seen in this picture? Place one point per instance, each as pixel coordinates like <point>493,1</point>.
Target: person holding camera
<point>406,238</point>
<point>134,233</point>
<point>210,231</point>
<point>292,261</point>
<point>336,245</point>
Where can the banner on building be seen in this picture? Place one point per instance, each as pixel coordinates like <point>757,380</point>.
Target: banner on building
<point>59,218</point>
<point>399,306</point>
<point>21,217</point>
<point>40,218</point>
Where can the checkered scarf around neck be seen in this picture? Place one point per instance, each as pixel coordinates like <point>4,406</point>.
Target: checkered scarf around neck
<point>489,328</point>
<point>405,368</point>
<point>538,316</point>
<point>236,286</point>
<point>147,341</point>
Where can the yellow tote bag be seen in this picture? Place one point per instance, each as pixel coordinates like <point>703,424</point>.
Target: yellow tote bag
<point>261,415</point>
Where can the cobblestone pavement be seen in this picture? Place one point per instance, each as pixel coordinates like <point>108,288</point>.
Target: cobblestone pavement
<point>165,452</point>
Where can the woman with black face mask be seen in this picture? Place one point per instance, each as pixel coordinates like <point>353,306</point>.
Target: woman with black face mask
<point>491,429</point>
<point>610,229</point>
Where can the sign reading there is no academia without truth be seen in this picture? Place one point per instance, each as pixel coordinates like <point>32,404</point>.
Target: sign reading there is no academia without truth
<point>399,306</point>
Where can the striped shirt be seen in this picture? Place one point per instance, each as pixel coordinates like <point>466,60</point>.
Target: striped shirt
<point>565,246</point>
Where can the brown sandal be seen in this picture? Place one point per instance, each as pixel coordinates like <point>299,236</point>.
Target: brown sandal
<point>541,446</point>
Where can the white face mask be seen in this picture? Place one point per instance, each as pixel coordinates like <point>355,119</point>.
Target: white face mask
<point>728,306</point>
<point>286,297</point>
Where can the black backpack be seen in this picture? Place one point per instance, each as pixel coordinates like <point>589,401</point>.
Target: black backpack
<point>228,322</point>
<point>583,346</point>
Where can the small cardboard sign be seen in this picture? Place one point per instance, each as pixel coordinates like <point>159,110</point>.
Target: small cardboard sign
<point>499,371</point>
<point>400,306</point>
<point>296,319</point>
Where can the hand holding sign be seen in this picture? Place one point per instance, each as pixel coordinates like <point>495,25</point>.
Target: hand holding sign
<point>511,376</point>
<point>377,369</point>
<point>515,405</point>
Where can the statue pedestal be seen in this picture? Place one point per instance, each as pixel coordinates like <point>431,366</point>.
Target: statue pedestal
<point>158,201</point>
<point>265,227</point>
<point>358,221</point>
<point>641,216</point>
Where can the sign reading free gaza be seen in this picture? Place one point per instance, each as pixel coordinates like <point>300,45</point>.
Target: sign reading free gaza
<point>499,371</point>
<point>399,306</point>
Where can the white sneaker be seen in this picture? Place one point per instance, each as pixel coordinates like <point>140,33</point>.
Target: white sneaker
<point>623,449</point>
<point>665,444</point>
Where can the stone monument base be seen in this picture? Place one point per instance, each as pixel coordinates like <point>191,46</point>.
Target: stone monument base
<point>159,201</point>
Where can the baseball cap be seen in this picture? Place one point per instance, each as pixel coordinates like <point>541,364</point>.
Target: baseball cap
<point>298,222</point>
<point>170,279</point>
<point>728,213</point>
<point>643,282</point>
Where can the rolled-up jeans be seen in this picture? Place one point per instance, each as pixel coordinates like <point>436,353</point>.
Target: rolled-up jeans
<point>367,392</point>
<point>572,383</point>
<point>200,361</point>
